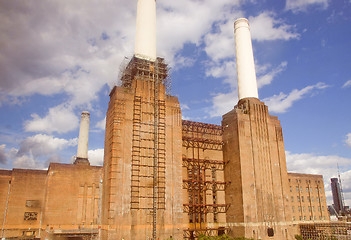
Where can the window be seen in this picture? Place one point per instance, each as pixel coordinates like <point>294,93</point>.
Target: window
<point>28,233</point>
<point>292,198</point>
<point>290,188</point>
<point>317,199</point>
<point>297,189</point>
<point>32,203</point>
<point>301,189</point>
<point>299,209</point>
<point>308,198</point>
<point>30,216</point>
<point>302,199</point>
<point>310,217</point>
<point>294,218</point>
<point>307,189</point>
<point>313,209</point>
<point>309,208</point>
<point>270,232</point>
<point>298,198</point>
<point>304,218</point>
<point>316,189</point>
<point>293,209</point>
<point>312,199</point>
<point>303,208</point>
<point>300,218</point>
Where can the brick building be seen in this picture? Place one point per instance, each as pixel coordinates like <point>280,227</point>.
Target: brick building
<point>164,177</point>
<point>307,198</point>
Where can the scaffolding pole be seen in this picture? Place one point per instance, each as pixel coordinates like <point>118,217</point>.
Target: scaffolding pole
<point>155,168</point>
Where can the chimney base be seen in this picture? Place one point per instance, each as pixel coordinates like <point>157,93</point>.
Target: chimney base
<point>82,161</point>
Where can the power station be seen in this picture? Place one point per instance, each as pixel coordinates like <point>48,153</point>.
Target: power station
<point>164,177</point>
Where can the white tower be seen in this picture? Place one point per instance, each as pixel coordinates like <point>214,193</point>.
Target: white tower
<point>247,85</point>
<point>82,150</point>
<point>145,37</point>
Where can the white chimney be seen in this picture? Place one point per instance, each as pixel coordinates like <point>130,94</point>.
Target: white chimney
<point>247,84</point>
<point>82,151</point>
<point>145,37</point>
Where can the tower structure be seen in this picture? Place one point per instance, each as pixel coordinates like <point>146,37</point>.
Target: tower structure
<point>82,150</point>
<point>142,196</point>
<point>255,156</point>
<point>337,196</point>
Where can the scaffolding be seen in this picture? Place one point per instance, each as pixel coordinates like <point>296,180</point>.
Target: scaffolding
<point>203,143</point>
<point>326,231</point>
<point>137,67</point>
<point>148,185</point>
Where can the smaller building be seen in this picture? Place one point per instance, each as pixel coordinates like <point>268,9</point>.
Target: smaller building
<point>61,202</point>
<point>307,198</point>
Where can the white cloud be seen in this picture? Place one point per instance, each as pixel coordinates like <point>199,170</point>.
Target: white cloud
<point>266,78</point>
<point>101,124</point>
<point>38,151</point>
<point>226,70</point>
<point>184,106</point>
<point>60,119</point>
<point>223,103</point>
<point>41,144</point>
<point>282,102</point>
<point>348,139</point>
<point>96,157</point>
<point>311,163</point>
<point>27,162</point>
<point>182,21</point>
<point>303,5</point>
<point>347,84</point>
<point>63,51</point>
<point>265,27</point>
<point>220,44</point>
<point>183,62</point>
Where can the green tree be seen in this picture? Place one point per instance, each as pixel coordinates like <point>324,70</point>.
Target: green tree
<point>298,237</point>
<point>222,237</point>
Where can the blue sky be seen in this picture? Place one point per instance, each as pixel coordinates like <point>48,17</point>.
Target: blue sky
<point>58,58</point>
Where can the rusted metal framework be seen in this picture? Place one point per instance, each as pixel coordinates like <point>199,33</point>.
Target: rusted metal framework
<point>193,185</point>
<point>138,67</point>
<point>202,135</point>
<point>204,163</point>
<point>205,208</point>
<point>326,231</point>
<point>203,141</point>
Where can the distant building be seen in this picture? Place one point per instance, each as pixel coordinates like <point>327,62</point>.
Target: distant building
<point>337,196</point>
